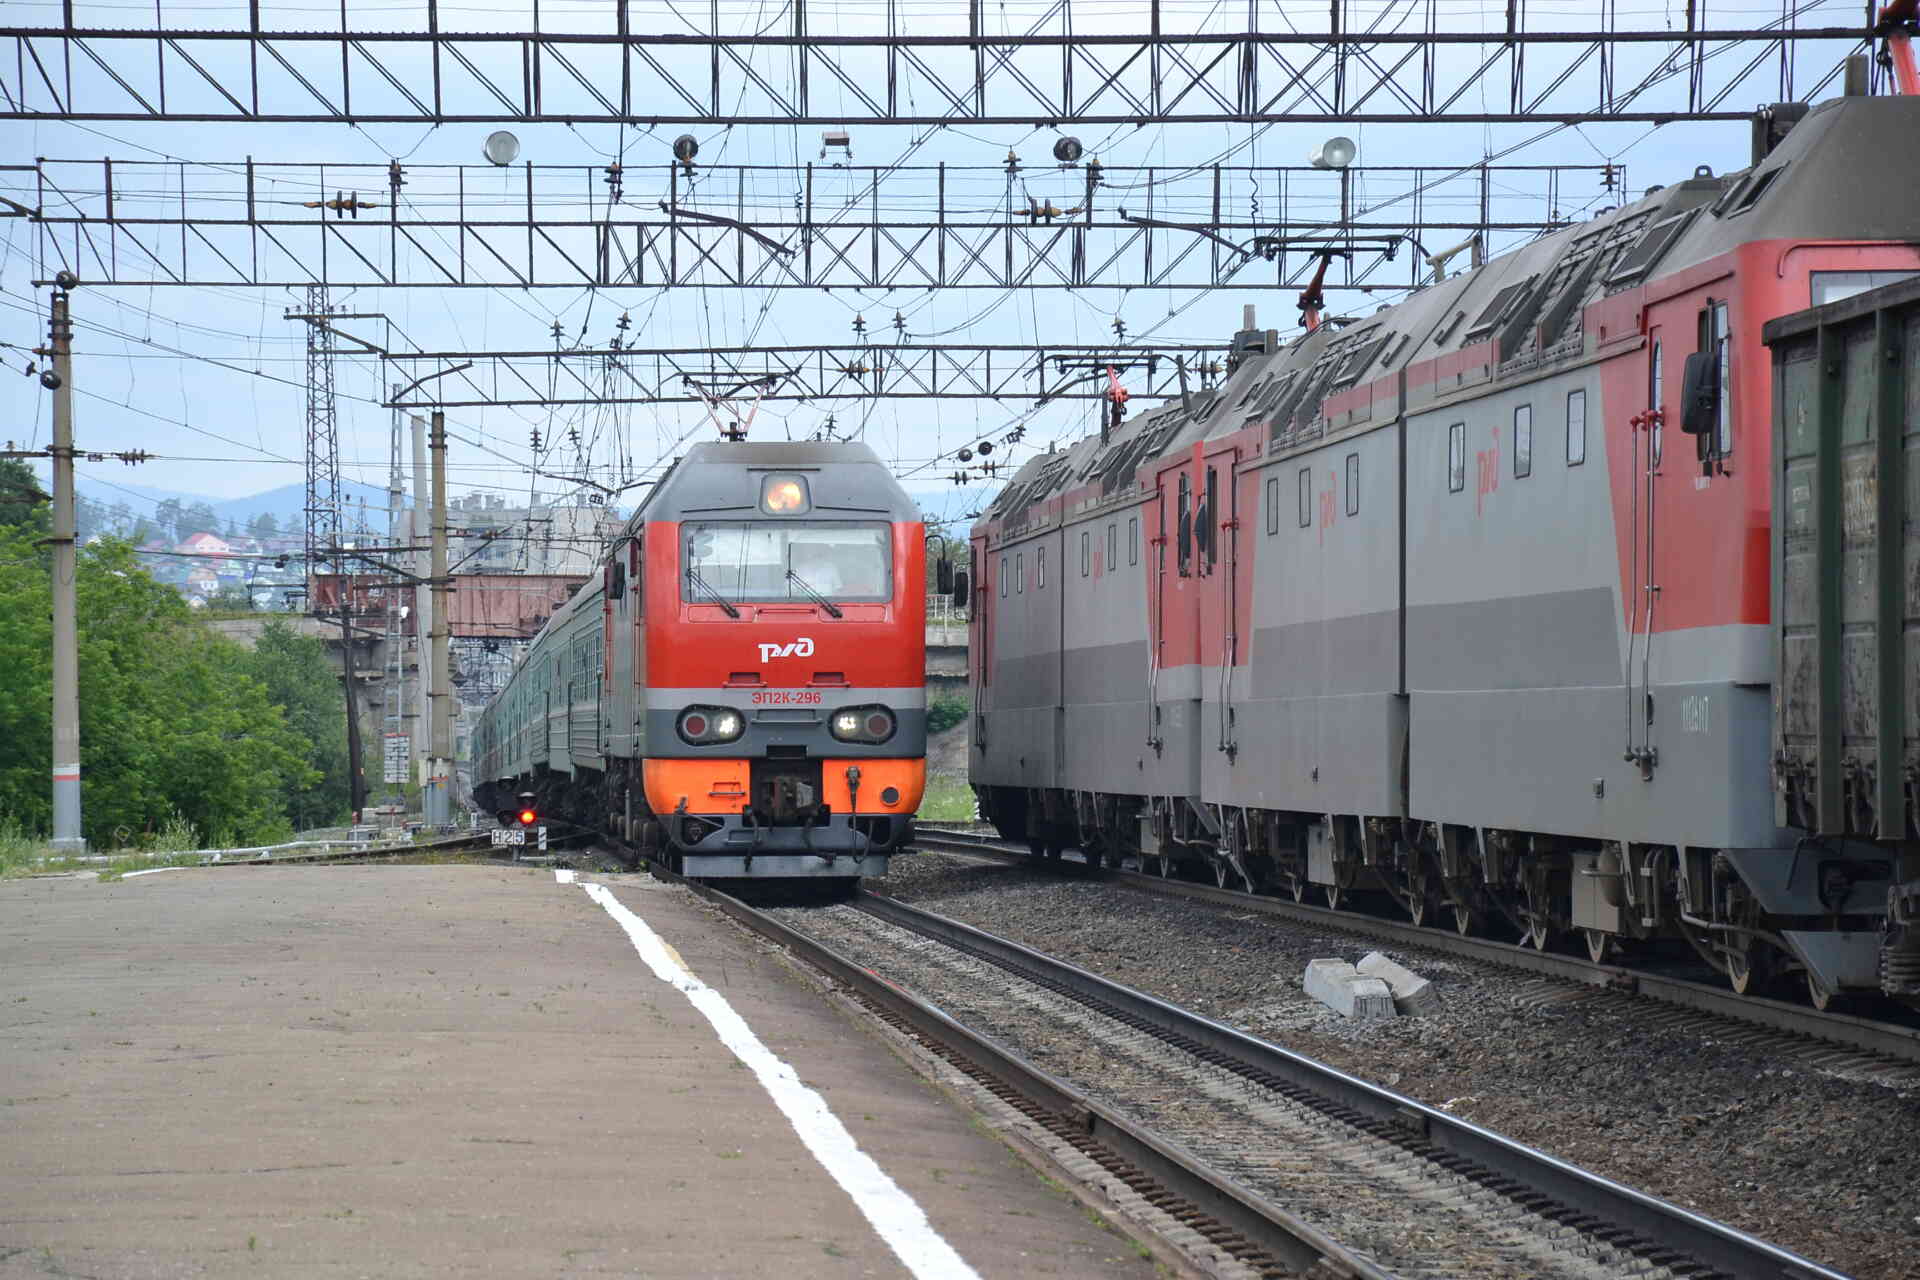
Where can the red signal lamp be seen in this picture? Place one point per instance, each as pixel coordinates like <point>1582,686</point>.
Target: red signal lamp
<point>528,817</point>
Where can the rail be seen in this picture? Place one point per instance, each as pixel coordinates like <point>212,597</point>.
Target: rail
<point>1518,1170</point>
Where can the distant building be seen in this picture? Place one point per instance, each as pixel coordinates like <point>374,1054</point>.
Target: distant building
<point>487,536</point>
<point>204,544</point>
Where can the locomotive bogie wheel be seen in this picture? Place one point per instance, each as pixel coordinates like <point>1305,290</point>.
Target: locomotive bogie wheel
<point>1466,921</point>
<point>1335,895</point>
<point>1539,935</point>
<point>1747,969</point>
<point>1417,906</point>
<point>1600,945</point>
<point>1822,999</point>
<point>1298,887</point>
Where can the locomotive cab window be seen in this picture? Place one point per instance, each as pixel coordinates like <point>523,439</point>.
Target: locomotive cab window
<point>1184,531</point>
<point>1706,391</point>
<point>1656,369</point>
<point>766,562</point>
<point>1205,520</point>
<point>1522,440</point>
<point>1576,428</point>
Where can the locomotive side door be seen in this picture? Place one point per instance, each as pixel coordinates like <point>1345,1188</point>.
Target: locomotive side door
<point>1174,678</point>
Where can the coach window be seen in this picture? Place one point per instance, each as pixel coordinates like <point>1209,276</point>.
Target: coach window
<point>1576,428</point>
<point>1522,440</point>
<point>1086,553</point>
<point>1456,457</point>
<point>1273,504</point>
<point>1306,496</point>
<point>1133,540</point>
<point>1353,484</point>
<point>1113,545</point>
<point>1003,575</point>
<point>1019,572</point>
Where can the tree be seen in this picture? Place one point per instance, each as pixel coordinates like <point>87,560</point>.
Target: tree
<point>199,518</point>
<point>172,722</point>
<point>166,517</point>
<point>263,525</point>
<point>23,503</point>
<point>231,600</point>
<point>297,674</point>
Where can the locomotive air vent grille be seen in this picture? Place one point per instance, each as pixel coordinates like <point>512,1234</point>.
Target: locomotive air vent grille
<point>1651,247</point>
<point>1490,316</point>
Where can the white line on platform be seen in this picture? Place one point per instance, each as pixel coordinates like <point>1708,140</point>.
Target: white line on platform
<point>150,871</point>
<point>894,1214</point>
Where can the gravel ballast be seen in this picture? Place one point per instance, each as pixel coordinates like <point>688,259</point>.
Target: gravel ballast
<point>1822,1164</point>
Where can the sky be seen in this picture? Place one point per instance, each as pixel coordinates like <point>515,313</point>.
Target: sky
<point>212,380</point>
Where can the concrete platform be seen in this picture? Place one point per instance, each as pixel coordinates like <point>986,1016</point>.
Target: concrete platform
<point>399,1071</point>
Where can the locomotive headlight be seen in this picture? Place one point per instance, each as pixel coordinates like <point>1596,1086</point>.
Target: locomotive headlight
<point>784,495</point>
<point>862,724</point>
<point>700,726</point>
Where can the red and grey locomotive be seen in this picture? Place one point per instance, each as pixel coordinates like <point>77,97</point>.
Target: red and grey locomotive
<point>742,691</point>
<point>1472,601</point>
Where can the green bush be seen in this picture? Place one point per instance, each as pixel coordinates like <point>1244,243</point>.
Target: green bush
<point>946,711</point>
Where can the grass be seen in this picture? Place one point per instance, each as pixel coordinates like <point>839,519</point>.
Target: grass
<point>173,845</point>
<point>947,800</point>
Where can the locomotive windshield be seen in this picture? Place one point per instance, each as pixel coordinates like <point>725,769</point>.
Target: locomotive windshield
<point>767,561</point>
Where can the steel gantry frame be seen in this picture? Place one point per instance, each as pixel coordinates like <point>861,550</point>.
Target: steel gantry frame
<point>861,371</point>
<point>1004,226</point>
<point>323,431</point>
<point>1358,61</point>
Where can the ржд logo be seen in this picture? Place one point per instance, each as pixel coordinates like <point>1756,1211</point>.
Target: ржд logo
<point>801,648</point>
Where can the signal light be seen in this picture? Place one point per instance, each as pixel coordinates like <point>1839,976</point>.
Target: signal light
<point>528,817</point>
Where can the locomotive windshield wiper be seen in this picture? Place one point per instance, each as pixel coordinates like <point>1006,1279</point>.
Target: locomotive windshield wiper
<point>807,587</point>
<point>700,582</point>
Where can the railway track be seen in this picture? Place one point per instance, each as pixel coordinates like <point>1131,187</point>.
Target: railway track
<point>1277,1164</point>
<point>1816,1038</point>
<point>474,841</point>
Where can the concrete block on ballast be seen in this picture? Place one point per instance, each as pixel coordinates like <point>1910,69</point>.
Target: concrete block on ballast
<point>1346,991</point>
<point>1413,995</point>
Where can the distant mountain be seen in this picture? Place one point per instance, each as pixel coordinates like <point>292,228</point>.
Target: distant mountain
<point>288,505</point>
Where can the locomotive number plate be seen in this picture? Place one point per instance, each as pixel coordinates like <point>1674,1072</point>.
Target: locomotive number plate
<point>786,698</point>
<point>509,837</point>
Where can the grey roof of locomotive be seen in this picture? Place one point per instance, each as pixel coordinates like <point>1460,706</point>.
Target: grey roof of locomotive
<point>1847,171</point>
<point>721,480</point>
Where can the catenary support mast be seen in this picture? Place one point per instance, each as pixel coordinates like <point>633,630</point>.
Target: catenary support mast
<point>66,647</point>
